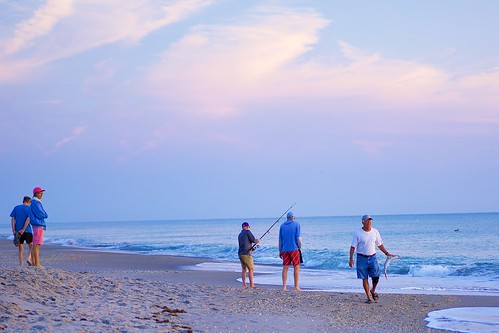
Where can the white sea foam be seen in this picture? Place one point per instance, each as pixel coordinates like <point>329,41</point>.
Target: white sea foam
<point>430,270</point>
<point>346,281</point>
<point>470,319</point>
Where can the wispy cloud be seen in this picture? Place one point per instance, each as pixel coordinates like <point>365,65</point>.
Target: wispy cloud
<point>217,66</point>
<point>220,69</point>
<point>63,28</point>
<point>77,132</point>
<point>41,23</point>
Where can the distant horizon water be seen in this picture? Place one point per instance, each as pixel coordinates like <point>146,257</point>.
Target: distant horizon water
<point>271,218</point>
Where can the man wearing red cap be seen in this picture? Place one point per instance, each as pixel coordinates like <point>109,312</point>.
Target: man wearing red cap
<point>38,224</point>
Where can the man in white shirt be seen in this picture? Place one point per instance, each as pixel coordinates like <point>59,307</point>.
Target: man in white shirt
<point>365,241</point>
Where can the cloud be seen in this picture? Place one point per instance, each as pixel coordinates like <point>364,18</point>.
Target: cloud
<point>102,76</point>
<point>77,132</point>
<point>217,66</point>
<point>41,23</point>
<point>218,69</point>
<point>64,28</point>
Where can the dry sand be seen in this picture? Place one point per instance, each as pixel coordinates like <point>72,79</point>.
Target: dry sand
<point>90,291</point>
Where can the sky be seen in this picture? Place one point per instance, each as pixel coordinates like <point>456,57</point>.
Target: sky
<point>210,109</point>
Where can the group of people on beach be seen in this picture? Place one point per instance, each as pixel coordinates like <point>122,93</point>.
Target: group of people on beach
<point>28,225</point>
<point>364,242</point>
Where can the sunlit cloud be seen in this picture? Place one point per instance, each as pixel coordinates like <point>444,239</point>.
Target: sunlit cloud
<point>217,69</point>
<point>221,69</point>
<point>41,23</point>
<point>61,29</point>
<point>102,76</point>
<point>77,132</point>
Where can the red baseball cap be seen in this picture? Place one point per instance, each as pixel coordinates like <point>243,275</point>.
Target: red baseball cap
<point>38,189</point>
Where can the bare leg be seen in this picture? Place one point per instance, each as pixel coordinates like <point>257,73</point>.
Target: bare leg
<point>285,277</point>
<point>297,277</point>
<point>365,284</point>
<point>252,284</point>
<point>21,254</point>
<point>243,277</point>
<point>29,253</point>
<point>35,256</point>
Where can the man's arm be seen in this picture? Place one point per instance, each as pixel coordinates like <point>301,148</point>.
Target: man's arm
<point>13,225</point>
<point>352,250</point>
<point>382,248</point>
<point>26,223</point>
<point>37,210</point>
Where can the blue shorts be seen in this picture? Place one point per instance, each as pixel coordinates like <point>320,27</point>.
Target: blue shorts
<point>367,267</point>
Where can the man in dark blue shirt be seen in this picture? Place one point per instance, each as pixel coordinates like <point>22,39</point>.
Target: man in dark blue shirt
<point>246,241</point>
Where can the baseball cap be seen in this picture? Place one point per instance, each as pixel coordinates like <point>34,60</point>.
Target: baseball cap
<point>290,215</point>
<point>366,217</point>
<point>38,189</point>
<point>245,224</point>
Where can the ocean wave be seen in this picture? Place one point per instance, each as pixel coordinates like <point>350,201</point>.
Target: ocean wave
<point>477,270</point>
<point>430,270</point>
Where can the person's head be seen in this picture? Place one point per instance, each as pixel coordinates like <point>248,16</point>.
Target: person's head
<point>366,220</point>
<point>26,200</point>
<point>290,216</point>
<point>38,192</point>
<point>245,225</point>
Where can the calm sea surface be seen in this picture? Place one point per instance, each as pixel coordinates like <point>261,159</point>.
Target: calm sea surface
<point>440,253</point>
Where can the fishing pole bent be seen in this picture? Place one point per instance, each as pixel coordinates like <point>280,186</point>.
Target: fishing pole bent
<point>268,230</point>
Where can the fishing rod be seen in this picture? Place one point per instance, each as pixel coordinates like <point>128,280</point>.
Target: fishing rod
<point>268,230</point>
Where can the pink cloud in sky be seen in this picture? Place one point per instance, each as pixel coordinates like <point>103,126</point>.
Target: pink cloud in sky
<point>77,132</point>
<point>219,69</point>
<point>41,23</point>
<point>77,26</point>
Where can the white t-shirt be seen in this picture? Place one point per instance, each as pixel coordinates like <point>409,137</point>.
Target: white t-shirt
<point>365,242</point>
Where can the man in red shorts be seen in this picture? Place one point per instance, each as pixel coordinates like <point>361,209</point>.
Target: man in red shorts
<point>289,249</point>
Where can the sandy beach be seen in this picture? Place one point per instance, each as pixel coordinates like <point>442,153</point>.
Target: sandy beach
<point>89,291</point>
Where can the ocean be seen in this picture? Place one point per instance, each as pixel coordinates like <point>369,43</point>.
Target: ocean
<point>439,253</point>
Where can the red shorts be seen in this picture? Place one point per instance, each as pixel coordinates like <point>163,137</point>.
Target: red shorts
<point>291,257</point>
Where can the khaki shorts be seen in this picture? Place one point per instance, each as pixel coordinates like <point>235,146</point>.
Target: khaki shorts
<point>246,261</point>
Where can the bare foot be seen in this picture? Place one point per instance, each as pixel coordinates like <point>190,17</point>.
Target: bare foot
<point>245,286</point>
<point>285,288</point>
<point>297,289</point>
<point>254,287</point>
